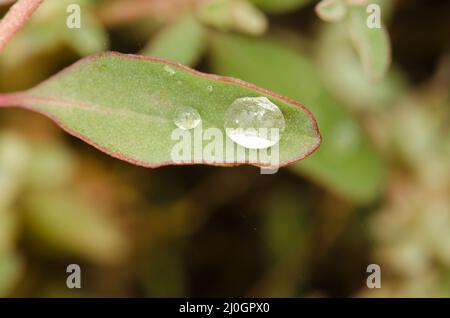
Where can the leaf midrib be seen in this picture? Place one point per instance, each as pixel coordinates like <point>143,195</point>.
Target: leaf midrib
<point>88,106</point>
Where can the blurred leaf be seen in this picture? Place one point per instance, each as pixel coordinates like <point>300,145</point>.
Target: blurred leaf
<point>387,8</point>
<point>372,44</point>
<point>91,37</point>
<point>345,162</point>
<point>331,10</point>
<point>52,166</point>
<point>182,42</point>
<point>280,6</point>
<point>11,267</point>
<point>8,229</point>
<point>125,105</point>
<point>347,77</point>
<point>65,223</point>
<point>238,15</point>
<point>14,159</point>
<point>47,30</point>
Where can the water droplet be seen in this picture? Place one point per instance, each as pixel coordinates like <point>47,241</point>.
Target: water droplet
<point>187,118</point>
<point>169,69</point>
<point>209,88</point>
<point>254,122</point>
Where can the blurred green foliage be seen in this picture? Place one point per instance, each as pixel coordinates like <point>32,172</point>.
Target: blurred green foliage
<point>377,191</point>
<point>183,41</point>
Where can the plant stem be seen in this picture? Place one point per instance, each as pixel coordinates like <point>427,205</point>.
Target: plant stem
<point>8,100</point>
<point>15,18</point>
<point>122,11</point>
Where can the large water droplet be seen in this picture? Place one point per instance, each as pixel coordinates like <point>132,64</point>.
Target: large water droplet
<point>254,122</point>
<point>187,118</point>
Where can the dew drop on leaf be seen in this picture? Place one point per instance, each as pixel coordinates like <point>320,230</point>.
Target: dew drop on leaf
<point>169,69</point>
<point>254,122</point>
<point>187,118</point>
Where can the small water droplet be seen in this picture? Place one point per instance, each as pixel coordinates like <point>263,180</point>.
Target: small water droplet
<point>254,122</point>
<point>169,69</point>
<point>187,118</point>
<point>209,88</point>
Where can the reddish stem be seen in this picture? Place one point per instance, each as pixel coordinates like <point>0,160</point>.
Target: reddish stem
<point>123,11</point>
<point>8,100</point>
<point>15,18</point>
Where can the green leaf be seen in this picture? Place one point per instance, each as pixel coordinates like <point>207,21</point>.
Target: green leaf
<point>372,44</point>
<point>236,15</point>
<point>331,10</point>
<point>345,162</point>
<point>125,106</point>
<point>347,77</point>
<point>280,6</point>
<point>88,39</point>
<point>182,42</point>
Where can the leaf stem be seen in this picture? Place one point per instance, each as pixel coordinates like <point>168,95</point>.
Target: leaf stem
<point>122,11</point>
<point>15,18</point>
<point>8,100</point>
